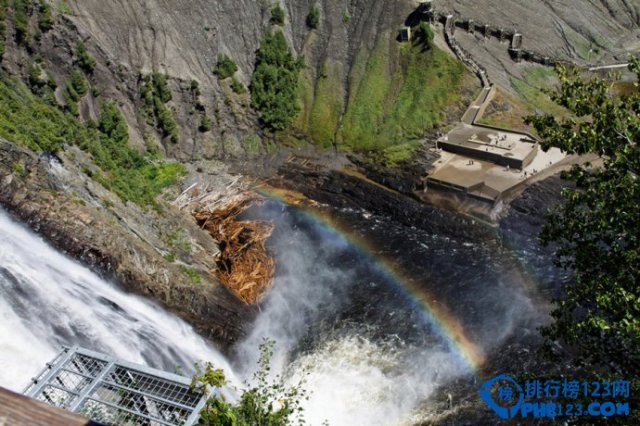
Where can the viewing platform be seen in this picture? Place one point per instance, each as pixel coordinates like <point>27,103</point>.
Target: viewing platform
<point>113,392</point>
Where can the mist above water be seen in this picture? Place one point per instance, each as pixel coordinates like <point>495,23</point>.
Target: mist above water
<point>359,342</point>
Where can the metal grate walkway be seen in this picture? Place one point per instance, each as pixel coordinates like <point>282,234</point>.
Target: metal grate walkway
<point>114,392</point>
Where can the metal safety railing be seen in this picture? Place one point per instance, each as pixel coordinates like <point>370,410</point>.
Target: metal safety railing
<point>114,392</point>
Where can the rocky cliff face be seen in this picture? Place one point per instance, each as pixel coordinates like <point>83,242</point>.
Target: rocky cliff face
<point>185,38</point>
<point>352,53</point>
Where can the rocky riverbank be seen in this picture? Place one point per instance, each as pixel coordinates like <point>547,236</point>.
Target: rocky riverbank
<point>159,254</point>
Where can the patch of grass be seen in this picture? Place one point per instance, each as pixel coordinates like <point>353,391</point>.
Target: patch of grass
<point>170,257</point>
<point>328,104</point>
<point>192,274</point>
<point>18,169</point>
<point>64,8</point>
<point>252,144</point>
<point>205,125</point>
<point>397,93</point>
<point>536,80</point>
<point>346,17</point>
<point>398,154</point>
<point>27,120</point>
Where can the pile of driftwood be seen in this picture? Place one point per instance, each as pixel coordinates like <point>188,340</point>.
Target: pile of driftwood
<point>244,265</point>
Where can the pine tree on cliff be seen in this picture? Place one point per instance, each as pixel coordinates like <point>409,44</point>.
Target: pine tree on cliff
<point>274,83</point>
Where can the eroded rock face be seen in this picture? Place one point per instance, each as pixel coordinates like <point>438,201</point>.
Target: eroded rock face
<point>123,243</point>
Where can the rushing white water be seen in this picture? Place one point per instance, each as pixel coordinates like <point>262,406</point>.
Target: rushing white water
<point>48,300</point>
<point>354,373</point>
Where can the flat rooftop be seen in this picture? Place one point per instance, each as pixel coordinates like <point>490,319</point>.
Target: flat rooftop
<point>484,141</point>
<point>486,180</point>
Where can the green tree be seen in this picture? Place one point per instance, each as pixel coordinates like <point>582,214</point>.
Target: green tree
<point>274,82</point>
<point>79,83</point>
<point>267,403</point>
<point>113,124</point>
<point>3,26</point>
<point>225,67</point>
<point>21,21</point>
<point>84,58</point>
<point>205,125</point>
<point>423,36</point>
<point>313,17</point>
<point>277,15</point>
<point>597,229</point>
<point>161,86</point>
<point>45,18</point>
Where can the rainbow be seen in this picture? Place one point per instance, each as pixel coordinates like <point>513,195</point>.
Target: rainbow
<point>433,312</point>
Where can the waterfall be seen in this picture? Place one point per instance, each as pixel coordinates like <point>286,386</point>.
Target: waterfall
<point>47,300</point>
<point>341,320</point>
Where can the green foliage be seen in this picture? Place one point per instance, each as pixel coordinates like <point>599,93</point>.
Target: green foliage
<point>195,88</point>
<point>21,21</point>
<point>112,123</point>
<point>397,94</point>
<point>237,87</point>
<point>34,73</point>
<point>277,15</point>
<point>274,82</point>
<point>225,67</point>
<point>18,169</point>
<point>45,18</point>
<point>313,17</point>
<point>161,87</point>
<point>27,120</point>
<point>205,125</point>
<point>155,93</point>
<point>532,90</point>
<point>597,229</point>
<point>192,274</point>
<point>3,26</point>
<point>267,403</point>
<point>170,257</point>
<point>79,83</point>
<point>423,36</point>
<point>398,154</point>
<point>346,17</point>
<point>84,59</point>
<point>71,99</point>
<point>166,121</point>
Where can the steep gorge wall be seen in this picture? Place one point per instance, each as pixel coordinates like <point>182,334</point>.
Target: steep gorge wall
<point>184,40</point>
<point>360,88</point>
